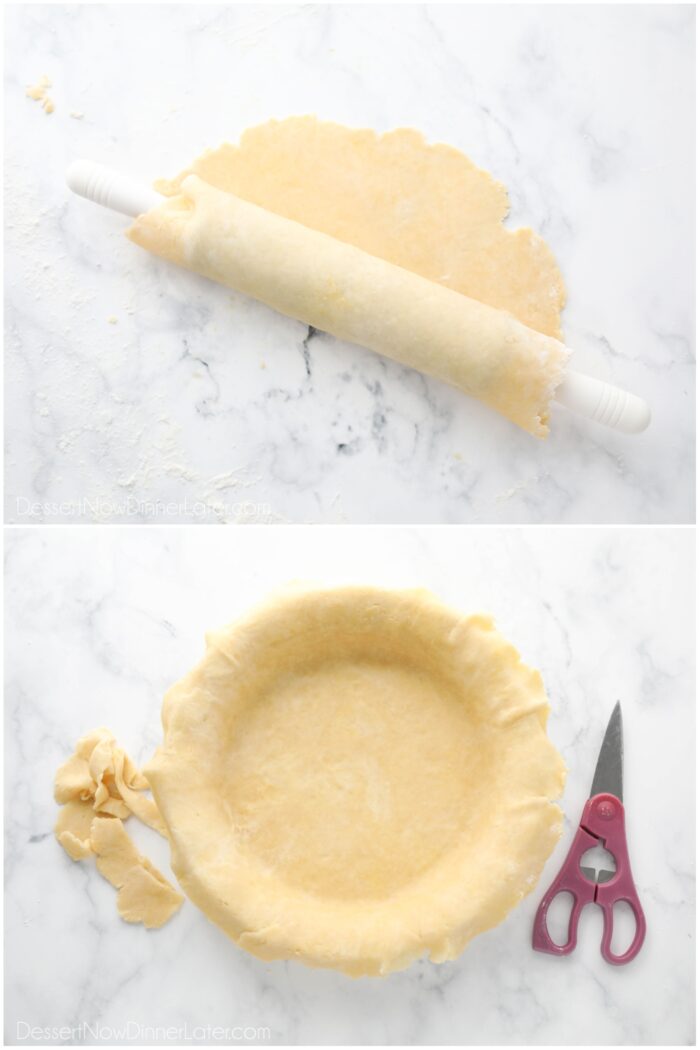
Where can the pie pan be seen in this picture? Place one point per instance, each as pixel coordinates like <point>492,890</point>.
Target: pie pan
<point>355,777</point>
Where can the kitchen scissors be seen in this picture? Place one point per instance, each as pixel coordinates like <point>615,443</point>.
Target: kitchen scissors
<point>602,822</point>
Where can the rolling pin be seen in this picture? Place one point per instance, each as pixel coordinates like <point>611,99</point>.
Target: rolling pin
<point>340,289</point>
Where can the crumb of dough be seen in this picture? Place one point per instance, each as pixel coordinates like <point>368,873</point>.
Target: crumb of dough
<point>76,114</point>
<point>38,93</point>
<point>112,319</point>
<point>145,895</point>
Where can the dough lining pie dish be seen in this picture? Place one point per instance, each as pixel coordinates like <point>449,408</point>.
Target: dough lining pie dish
<point>355,778</point>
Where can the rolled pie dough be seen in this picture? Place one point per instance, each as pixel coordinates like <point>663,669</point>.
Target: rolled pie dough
<point>354,778</point>
<point>382,241</point>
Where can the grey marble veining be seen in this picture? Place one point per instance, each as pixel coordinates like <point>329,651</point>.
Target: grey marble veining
<point>197,404</point>
<point>98,631</point>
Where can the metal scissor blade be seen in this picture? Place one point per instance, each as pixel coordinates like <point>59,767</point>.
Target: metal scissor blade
<point>608,772</point>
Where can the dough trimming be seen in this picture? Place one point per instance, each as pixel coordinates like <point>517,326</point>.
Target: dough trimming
<point>98,788</point>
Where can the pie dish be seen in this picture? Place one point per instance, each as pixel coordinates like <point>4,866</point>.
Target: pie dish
<point>355,777</point>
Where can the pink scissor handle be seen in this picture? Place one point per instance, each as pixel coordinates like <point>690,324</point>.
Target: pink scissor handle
<point>603,820</point>
<point>604,817</point>
<point>569,880</point>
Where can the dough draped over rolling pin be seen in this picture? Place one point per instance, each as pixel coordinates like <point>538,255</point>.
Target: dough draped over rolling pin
<point>421,205</point>
<point>358,297</point>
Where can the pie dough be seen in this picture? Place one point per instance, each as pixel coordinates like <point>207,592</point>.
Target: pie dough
<point>380,240</point>
<point>426,208</point>
<point>103,775</point>
<point>73,828</point>
<point>97,788</point>
<point>144,894</point>
<point>354,778</point>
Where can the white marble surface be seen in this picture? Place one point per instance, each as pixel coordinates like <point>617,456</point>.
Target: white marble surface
<point>584,112</point>
<point>97,632</point>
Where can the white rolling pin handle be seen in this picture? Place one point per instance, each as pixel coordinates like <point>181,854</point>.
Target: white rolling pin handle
<point>604,403</point>
<point>110,189</point>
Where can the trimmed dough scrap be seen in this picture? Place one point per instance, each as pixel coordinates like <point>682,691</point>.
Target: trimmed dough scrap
<point>383,241</point>
<point>101,771</point>
<point>99,787</point>
<point>354,778</point>
<point>145,895</point>
<point>73,828</point>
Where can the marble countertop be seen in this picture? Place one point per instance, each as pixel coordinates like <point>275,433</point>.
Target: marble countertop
<point>195,404</point>
<point>97,633</point>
